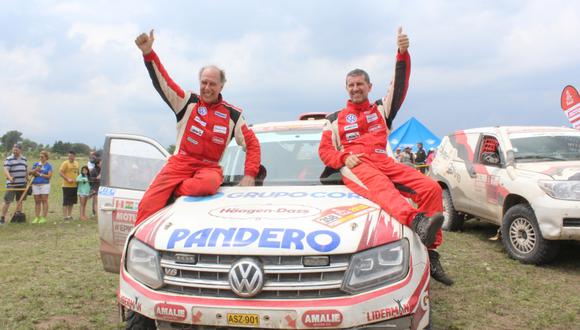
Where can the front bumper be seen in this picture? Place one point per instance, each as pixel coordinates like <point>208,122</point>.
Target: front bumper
<point>402,305</point>
<point>551,214</point>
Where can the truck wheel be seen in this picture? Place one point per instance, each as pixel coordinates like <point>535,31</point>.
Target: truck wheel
<point>522,238</point>
<point>136,321</point>
<point>453,221</point>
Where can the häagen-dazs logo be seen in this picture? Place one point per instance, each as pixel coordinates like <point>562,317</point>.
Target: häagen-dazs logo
<point>264,211</point>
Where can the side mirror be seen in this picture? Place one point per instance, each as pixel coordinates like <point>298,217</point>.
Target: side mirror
<point>510,164</point>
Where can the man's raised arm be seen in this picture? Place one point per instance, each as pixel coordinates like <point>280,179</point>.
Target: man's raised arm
<point>170,92</point>
<point>398,88</point>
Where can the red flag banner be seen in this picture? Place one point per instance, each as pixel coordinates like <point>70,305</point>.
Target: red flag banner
<point>570,103</point>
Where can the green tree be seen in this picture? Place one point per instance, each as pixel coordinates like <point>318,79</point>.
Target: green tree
<point>10,139</point>
<point>171,148</point>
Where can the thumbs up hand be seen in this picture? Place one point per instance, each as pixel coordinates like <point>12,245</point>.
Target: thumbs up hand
<point>402,41</point>
<point>145,42</point>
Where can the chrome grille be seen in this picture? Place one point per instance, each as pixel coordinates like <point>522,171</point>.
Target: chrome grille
<point>286,276</point>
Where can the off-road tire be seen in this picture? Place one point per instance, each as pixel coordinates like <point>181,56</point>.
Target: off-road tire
<point>522,238</point>
<point>453,221</point>
<point>136,321</point>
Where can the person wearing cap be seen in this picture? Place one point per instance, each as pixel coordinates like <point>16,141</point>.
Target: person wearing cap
<point>15,171</point>
<point>354,140</point>
<point>206,124</point>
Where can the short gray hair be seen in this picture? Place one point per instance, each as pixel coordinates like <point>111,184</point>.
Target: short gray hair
<point>221,71</point>
<point>359,72</point>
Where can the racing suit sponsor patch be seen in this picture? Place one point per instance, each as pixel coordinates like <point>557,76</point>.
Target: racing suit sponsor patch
<point>350,127</point>
<point>190,139</point>
<point>196,130</point>
<point>201,122</point>
<point>202,111</point>
<point>220,114</point>
<point>220,129</point>
<point>352,135</point>
<point>372,117</point>
<point>380,151</point>
<point>218,140</point>
<point>377,127</point>
<point>351,118</point>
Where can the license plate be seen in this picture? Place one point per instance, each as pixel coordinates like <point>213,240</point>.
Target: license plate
<point>243,319</point>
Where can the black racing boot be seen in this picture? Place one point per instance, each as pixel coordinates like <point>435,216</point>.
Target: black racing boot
<point>427,228</point>
<point>437,271</point>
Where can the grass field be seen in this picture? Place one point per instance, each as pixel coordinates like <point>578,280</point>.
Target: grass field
<point>51,278</point>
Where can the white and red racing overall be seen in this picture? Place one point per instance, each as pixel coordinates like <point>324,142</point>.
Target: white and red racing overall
<point>363,128</point>
<point>203,132</point>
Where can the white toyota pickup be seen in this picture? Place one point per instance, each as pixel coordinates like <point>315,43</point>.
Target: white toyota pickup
<point>524,179</point>
<point>297,251</point>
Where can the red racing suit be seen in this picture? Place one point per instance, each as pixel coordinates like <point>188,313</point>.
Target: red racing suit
<point>203,132</point>
<point>363,129</point>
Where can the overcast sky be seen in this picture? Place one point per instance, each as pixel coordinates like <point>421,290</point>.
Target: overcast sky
<point>71,71</point>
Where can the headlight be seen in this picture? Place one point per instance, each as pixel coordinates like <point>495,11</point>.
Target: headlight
<point>568,190</point>
<point>377,267</point>
<point>143,264</point>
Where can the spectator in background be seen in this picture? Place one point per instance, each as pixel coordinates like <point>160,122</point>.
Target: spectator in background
<point>69,170</point>
<point>430,156</point>
<point>83,190</point>
<point>420,158</point>
<point>15,171</point>
<point>407,157</point>
<point>398,154</point>
<point>42,171</point>
<point>95,180</point>
<point>91,161</point>
<point>93,157</point>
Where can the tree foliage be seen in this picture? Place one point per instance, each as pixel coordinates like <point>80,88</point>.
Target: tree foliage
<point>10,139</point>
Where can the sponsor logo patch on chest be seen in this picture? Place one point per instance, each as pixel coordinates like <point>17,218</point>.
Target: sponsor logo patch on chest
<point>217,140</point>
<point>376,128</point>
<point>350,127</point>
<point>191,140</point>
<point>352,135</point>
<point>196,130</point>
<point>220,129</point>
<point>372,117</point>
<point>351,118</point>
<point>201,122</point>
<point>220,114</point>
<point>202,111</point>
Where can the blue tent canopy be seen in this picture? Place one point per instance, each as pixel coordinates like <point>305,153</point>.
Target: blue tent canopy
<point>411,132</point>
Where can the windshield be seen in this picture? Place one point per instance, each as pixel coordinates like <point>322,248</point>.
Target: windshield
<point>546,147</point>
<point>288,158</point>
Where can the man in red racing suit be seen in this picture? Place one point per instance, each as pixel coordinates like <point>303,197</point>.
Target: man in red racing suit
<point>205,126</point>
<point>354,140</point>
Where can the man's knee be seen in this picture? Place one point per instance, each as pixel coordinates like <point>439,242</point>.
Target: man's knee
<point>210,184</point>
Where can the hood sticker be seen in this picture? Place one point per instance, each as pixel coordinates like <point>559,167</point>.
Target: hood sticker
<point>236,237</point>
<point>338,215</point>
<point>268,211</point>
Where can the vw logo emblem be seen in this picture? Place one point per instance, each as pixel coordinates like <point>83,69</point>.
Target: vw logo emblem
<point>351,118</point>
<point>246,277</point>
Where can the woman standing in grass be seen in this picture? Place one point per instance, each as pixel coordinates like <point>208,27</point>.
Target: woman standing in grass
<point>84,190</point>
<point>42,172</point>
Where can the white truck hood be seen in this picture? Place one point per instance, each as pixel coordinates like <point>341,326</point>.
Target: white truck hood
<point>569,170</point>
<point>301,220</point>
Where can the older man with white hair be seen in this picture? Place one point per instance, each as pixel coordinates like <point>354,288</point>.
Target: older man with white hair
<point>205,125</point>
